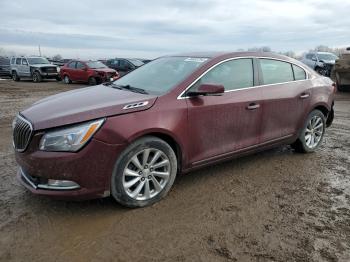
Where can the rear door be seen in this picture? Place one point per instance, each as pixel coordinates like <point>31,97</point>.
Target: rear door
<point>18,65</point>
<point>81,72</point>
<point>71,71</point>
<point>223,124</point>
<point>285,98</point>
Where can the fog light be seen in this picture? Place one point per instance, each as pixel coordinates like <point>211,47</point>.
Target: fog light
<point>59,185</point>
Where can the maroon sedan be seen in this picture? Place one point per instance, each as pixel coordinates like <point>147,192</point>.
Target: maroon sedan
<point>91,72</point>
<point>131,137</point>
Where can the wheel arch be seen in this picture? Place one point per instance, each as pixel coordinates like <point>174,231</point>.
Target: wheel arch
<point>324,108</point>
<point>168,138</point>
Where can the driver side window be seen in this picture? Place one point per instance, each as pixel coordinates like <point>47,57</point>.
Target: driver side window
<point>234,74</point>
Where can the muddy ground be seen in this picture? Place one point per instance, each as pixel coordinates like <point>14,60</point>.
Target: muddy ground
<point>272,206</point>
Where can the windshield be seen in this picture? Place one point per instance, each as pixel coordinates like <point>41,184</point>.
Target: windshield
<point>136,62</point>
<point>327,57</point>
<point>160,75</point>
<point>37,60</point>
<point>95,64</point>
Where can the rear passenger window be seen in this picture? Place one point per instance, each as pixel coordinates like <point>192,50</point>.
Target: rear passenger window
<point>232,75</point>
<point>274,71</point>
<point>18,61</point>
<point>299,73</point>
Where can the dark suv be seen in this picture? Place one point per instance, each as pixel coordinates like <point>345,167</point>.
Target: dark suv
<point>5,69</point>
<point>124,65</point>
<point>36,68</point>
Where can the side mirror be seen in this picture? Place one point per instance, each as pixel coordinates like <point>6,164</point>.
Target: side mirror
<point>85,69</point>
<point>207,90</point>
<point>314,59</point>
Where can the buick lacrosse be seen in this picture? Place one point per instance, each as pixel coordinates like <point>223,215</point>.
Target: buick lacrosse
<point>131,137</point>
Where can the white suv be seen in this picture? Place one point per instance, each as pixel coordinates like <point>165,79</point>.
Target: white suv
<point>36,68</point>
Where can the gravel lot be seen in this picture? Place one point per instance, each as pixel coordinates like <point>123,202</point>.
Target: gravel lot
<point>272,206</point>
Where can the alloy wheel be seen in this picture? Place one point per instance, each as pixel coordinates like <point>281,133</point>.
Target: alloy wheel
<point>146,174</point>
<point>314,131</point>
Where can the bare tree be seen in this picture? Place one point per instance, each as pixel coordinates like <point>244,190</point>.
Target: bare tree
<point>57,57</point>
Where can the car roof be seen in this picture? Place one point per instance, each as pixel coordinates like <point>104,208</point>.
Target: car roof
<point>214,55</point>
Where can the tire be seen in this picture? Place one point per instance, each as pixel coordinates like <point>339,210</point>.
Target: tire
<point>37,77</point>
<point>92,81</point>
<point>311,135</point>
<point>66,80</point>
<point>15,76</point>
<point>129,183</point>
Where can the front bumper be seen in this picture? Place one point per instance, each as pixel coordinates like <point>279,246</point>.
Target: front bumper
<point>49,75</point>
<point>91,168</point>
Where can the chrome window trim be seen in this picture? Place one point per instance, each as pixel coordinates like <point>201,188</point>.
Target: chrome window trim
<point>180,96</point>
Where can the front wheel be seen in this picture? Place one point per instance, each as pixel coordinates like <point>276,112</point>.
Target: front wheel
<point>144,172</point>
<point>92,81</point>
<point>37,77</point>
<point>312,134</point>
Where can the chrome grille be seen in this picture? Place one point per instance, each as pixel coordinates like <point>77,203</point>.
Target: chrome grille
<point>22,133</point>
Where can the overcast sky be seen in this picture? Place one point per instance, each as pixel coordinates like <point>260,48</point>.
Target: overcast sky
<point>130,28</point>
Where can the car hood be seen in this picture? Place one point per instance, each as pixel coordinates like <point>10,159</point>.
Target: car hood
<point>43,65</point>
<point>82,105</point>
<point>331,62</point>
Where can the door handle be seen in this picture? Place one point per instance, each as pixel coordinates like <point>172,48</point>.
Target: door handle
<point>253,106</point>
<point>304,95</point>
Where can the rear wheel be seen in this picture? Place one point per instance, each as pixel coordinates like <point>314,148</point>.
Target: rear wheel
<point>66,80</point>
<point>37,77</point>
<point>15,76</point>
<point>92,81</point>
<point>144,172</point>
<point>311,136</point>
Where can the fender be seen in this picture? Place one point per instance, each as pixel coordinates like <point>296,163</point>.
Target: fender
<point>163,133</point>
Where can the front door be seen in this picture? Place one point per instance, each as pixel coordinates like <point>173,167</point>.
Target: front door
<point>25,68</point>
<point>223,124</point>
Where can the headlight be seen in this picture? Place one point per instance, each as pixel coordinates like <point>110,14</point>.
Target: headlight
<point>70,139</point>
<point>58,69</point>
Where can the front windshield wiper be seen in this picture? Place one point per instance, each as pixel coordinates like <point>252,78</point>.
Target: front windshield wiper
<point>128,87</point>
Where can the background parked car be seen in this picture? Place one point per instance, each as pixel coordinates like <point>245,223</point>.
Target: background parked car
<point>321,62</point>
<point>92,72</point>
<point>5,69</point>
<point>124,65</point>
<point>145,61</point>
<point>341,71</point>
<point>35,67</point>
